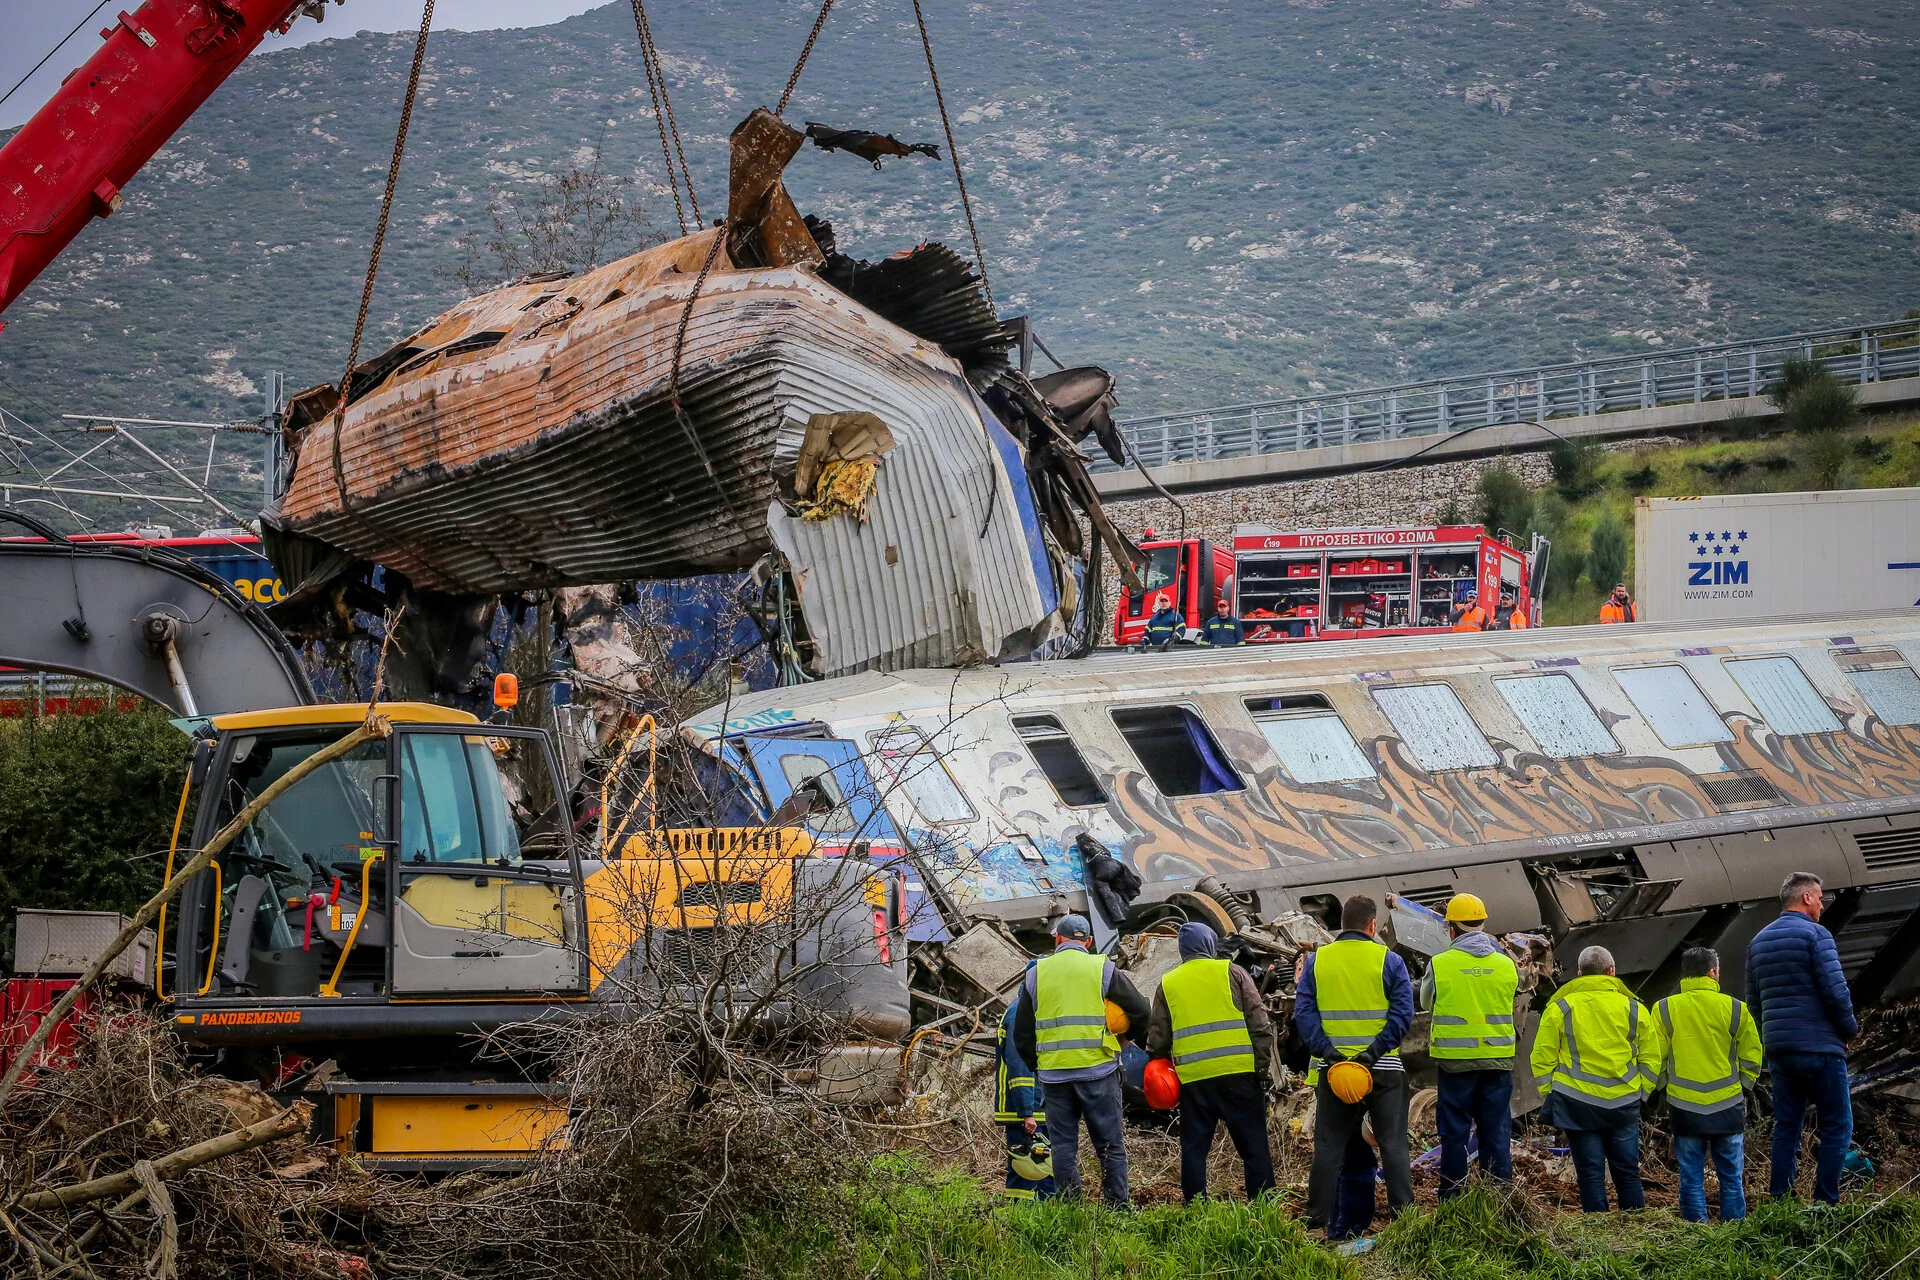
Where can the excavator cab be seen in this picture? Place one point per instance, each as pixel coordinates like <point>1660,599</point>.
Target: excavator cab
<point>435,865</point>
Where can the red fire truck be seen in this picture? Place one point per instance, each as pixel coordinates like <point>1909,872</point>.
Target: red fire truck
<point>1327,584</point>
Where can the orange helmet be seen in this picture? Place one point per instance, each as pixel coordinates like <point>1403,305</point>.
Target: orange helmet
<point>1161,1085</point>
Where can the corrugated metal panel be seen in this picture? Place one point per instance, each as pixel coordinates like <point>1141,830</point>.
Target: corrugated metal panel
<point>920,584</point>
<point>555,458</point>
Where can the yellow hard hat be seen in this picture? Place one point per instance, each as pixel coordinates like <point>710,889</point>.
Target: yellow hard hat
<point>1349,1081</point>
<point>1117,1022</point>
<point>1465,908</point>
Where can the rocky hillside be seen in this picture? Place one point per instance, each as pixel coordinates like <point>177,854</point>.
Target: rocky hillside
<point>1224,202</point>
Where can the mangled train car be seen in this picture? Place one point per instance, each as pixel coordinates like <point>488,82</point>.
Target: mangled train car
<point>743,396</point>
<point>1645,788</point>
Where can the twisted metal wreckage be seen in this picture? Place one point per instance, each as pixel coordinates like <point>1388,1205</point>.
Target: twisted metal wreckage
<point>724,402</point>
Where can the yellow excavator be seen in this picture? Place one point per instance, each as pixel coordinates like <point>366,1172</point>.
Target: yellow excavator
<point>433,885</point>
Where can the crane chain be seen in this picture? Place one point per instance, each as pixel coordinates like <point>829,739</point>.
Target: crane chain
<point>663,117</point>
<point>379,240</point>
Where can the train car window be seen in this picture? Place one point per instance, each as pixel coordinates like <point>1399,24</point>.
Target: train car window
<point>1673,704</point>
<point>909,762</point>
<point>1557,716</point>
<point>1313,743</point>
<point>1783,695</point>
<point>1177,750</point>
<point>1887,683</point>
<point>1058,758</point>
<point>1436,727</point>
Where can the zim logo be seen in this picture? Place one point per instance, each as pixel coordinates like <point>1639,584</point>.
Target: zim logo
<point>1705,565</point>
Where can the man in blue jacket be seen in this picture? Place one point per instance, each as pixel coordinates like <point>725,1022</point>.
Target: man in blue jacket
<point>1798,993</point>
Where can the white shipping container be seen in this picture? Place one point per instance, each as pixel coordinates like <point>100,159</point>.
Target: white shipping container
<point>1760,555</point>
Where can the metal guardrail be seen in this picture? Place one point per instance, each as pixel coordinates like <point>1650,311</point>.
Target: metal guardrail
<point>1694,375</point>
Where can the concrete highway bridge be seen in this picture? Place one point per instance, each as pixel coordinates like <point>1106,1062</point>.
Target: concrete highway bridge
<point>1660,392</point>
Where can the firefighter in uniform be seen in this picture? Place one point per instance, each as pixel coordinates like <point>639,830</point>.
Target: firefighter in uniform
<point>1596,1057</point>
<point>1209,1019</point>
<point>1352,1007</point>
<point>1713,1051</point>
<point>1065,1027</point>
<point>1223,629</point>
<point>1017,1104</point>
<point>1164,624</point>
<point>1470,987</point>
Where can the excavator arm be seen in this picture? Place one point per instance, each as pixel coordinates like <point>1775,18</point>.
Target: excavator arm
<point>67,164</point>
<point>145,619</point>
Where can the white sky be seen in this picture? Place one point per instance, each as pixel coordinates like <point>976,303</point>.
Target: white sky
<point>31,27</point>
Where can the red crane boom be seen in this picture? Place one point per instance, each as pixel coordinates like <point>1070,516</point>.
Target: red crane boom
<point>68,164</point>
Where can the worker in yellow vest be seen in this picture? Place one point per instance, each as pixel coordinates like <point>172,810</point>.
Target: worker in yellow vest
<point>1209,1019</point>
<point>1352,1007</point>
<point>1596,1057</point>
<point>1064,1028</point>
<point>1470,987</point>
<point>1713,1054</point>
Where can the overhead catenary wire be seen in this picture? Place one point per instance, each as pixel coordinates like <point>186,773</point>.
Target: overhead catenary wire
<point>953,152</point>
<point>379,240</point>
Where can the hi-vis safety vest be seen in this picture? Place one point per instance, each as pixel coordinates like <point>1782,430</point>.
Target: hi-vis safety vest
<point>1210,1036</point>
<point>1350,986</point>
<point>1712,1047</point>
<point>1473,1004</point>
<point>1599,1036</point>
<point>1070,1012</point>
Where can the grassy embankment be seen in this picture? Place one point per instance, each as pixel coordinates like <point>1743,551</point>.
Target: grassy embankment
<point>1882,452</point>
<point>921,1225</point>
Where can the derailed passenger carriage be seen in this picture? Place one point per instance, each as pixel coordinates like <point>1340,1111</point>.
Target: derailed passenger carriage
<point>1643,787</point>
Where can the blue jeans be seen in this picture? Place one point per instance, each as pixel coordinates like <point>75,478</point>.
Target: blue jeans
<point>1729,1161</point>
<point>1472,1100</point>
<point>1597,1150</point>
<point>1098,1103</point>
<point>1800,1080</point>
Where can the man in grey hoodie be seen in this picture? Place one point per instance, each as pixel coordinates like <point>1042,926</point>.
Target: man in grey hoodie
<point>1470,987</point>
<point>1209,1020</point>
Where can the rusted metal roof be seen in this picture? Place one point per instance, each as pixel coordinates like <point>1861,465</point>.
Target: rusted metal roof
<point>643,420</point>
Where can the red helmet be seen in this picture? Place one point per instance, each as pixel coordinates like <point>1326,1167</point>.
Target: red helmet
<point>1161,1085</point>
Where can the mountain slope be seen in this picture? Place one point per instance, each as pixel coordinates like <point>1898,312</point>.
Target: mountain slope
<point>1222,202</point>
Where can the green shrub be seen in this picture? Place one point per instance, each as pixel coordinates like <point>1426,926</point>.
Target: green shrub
<point>1825,459</point>
<point>1741,426</point>
<point>1576,467</point>
<point>1795,373</point>
<point>1823,404</point>
<point>1607,552</point>
<point>1502,499</point>
<point>86,806</point>
<point>1640,479</point>
<point>1872,451</point>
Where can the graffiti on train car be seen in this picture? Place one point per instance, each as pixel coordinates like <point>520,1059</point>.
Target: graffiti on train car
<point>1279,823</point>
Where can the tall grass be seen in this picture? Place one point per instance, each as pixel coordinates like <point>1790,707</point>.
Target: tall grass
<point>917,1223</point>
<point>1483,1236</point>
